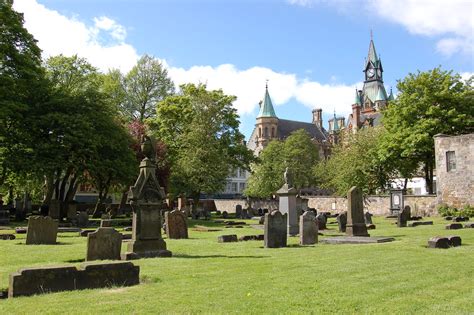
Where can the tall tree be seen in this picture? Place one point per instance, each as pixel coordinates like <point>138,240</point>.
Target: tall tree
<point>297,153</point>
<point>200,129</point>
<point>145,85</point>
<point>22,85</point>
<point>431,102</point>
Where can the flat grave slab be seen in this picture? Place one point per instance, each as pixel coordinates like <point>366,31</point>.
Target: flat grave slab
<point>356,240</point>
<point>418,223</point>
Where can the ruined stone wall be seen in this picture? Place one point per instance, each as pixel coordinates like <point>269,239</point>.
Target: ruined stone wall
<point>456,186</point>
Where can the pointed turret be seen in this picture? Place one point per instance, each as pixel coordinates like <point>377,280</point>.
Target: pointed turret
<point>336,125</point>
<point>390,96</point>
<point>266,109</point>
<point>357,100</point>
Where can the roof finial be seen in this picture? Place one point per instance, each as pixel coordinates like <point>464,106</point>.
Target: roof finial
<point>371,35</point>
<point>266,84</point>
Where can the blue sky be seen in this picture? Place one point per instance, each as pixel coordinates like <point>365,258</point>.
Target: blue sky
<point>311,51</point>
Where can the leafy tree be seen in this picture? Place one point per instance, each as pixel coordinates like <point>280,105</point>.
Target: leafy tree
<point>22,85</point>
<point>144,86</point>
<point>355,162</point>
<point>297,152</point>
<point>429,103</point>
<point>203,142</point>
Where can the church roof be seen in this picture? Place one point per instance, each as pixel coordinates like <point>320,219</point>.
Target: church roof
<point>380,95</point>
<point>266,109</point>
<point>371,90</point>
<point>286,127</point>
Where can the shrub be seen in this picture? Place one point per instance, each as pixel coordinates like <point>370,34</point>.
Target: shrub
<point>445,210</point>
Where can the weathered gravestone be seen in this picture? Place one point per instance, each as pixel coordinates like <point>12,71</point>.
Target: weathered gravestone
<point>83,219</point>
<point>238,211</point>
<point>227,238</point>
<point>342,221</point>
<point>176,227</point>
<point>104,244</point>
<point>7,237</point>
<point>41,230</point>
<point>54,208</point>
<point>146,199</point>
<point>355,213</point>
<point>403,217</point>
<point>275,229</point>
<point>438,242</point>
<point>41,280</point>
<point>308,229</point>
<point>368,218</point>
<point>245,214</point>
<point>71,211</point>
<point>454,226</point>
<point>225,215</point>
<point>321,220</point>
<point>454,240</point>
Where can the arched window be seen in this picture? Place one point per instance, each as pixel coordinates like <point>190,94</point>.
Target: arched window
<point>265,132</point>
<point>273,132</point>
<point>259,132</point>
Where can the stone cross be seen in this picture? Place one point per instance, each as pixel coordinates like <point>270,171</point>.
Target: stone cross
<point>355,213</point>
<point>146,199</point>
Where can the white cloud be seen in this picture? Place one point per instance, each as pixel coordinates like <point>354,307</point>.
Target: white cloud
<point>450,21</point>
<point>102,43</point>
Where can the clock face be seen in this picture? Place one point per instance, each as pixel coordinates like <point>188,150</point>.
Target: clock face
<point>370,73</point>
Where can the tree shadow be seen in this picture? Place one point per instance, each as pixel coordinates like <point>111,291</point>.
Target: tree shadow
<point>216,256</point>
<point>72,261</point>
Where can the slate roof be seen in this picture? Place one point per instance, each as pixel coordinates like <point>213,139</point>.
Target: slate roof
<point>286,127</point>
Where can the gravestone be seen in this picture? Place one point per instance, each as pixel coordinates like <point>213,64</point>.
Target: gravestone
<point>146,199</point>
<point>355,213</point>
<point>105,223</point>
<point>227,238</point>
<point>368,218</point>
<point>54,208</point>
<point>7,237</point>
<point>453,226</point>
<point>308,229</point>
<point>287,205</point>
<point>83,219</point>
<point>438,242</point>
<point>104,244</point>
<point>245,214</point>
<point>176,226</point>
<point>469,225</point>
<point>225,215</point>
<point>321,220</point>
<point>403,217</point>
<point>71,211</point>
<point>454,240</point>
<point>275,229</point>
<point>342,221</point>
<point>238,211</point>
<point>41,230</point>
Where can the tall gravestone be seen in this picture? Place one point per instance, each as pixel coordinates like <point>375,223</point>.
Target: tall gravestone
<point>238,211</point>
<point>355,213</point>
<point>146,200</point>
<point>342,221</point>
<point>176,226</point>
<point>275,229</point>
<point>54,208</point>
<point>308,229</point>
<point>104,243</point>
<point>287,204</point>
<point>403,217</point>
<point>41,230</point>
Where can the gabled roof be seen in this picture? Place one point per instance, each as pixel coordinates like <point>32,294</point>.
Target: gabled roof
<point>286,127</point>
<point>266,109</point>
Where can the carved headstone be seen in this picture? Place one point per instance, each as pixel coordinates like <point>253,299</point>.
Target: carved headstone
<point>41,230</point>
<point>342,221</point>
<point>176,226</point>
<point>308,229</point>
<point>54,208</point>
<point>275,229</point>
<point>104,243</point>
<point>355,213</point>
<point>146,199</point>
<point>403,217</point>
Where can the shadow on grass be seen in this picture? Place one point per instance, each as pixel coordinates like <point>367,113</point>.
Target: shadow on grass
<point>216,256</point>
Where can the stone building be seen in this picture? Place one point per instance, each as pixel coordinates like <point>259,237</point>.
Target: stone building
<point>455,169</point>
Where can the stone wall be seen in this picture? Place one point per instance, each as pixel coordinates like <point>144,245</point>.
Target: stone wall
<point>456,186</point>
<point>378,205</point>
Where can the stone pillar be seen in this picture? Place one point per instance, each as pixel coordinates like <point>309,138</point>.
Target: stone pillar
<point>287,205</point>
<point>355,213</point>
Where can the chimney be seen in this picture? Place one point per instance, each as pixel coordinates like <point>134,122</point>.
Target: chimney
<point>355,116</point>
<point>318,117</point>
<point>341,121</point>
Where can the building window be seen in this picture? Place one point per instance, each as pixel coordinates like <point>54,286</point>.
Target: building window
<point>265,132</point>
<point>273,132</point>
<point>259,132</point>
<point>241,187</point>
<point>450,161</point>
<point>234,187</point>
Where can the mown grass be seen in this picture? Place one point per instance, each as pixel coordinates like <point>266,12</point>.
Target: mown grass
<point>402,277</point>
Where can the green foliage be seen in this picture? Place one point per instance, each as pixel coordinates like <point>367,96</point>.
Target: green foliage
<point>467,211</point>
<point>429,103</point>
<point>355,163</point>
<point>297,152</point>
<point>203,142</point>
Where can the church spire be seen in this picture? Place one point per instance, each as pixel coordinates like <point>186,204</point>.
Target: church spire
<point>372,54</point>
<point>266,109</point>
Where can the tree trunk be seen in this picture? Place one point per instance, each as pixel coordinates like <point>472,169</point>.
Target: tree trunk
<point>49,186</point>
<point>405,184</point>
<point>428,176</point>
<point>71,191</point>
<point>123,200</point>
<point>64,182</point>
<point>56,184</point>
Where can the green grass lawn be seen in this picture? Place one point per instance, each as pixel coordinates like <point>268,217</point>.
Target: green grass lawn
<point>208,277</point>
